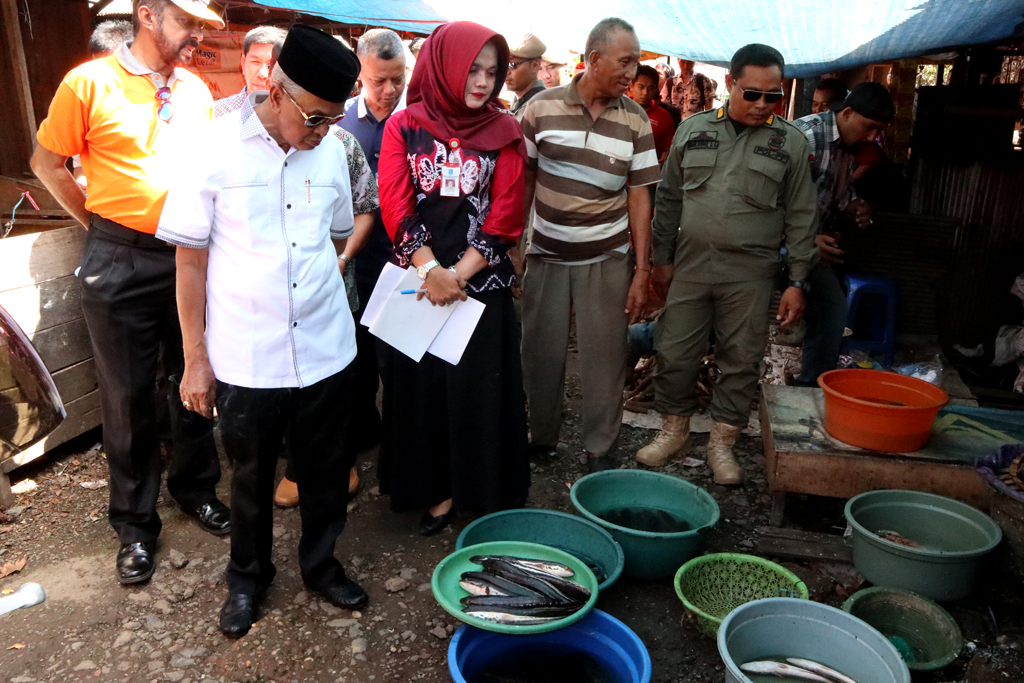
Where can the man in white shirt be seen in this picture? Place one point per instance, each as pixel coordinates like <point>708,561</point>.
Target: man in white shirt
<point>259,228</point>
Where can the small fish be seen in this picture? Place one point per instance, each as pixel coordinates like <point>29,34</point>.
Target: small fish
<point>477,587</point>
<point>500,584</point>
<point>782,671</point>
<point>542,566</point>
<point>820,669</point>
<point>505,618</point>
<point>896,537</point>
<point>515,601</point>
<point>552,586</point>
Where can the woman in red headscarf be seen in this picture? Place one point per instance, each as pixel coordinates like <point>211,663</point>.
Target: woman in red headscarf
<point>451,177</point>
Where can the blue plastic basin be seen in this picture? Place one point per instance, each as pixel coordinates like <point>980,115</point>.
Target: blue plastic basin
<point>604,638</point>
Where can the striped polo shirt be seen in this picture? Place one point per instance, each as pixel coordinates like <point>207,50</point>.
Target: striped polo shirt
<point>583,167</point>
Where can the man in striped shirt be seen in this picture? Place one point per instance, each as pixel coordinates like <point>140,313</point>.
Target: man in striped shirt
<point>591,155</point>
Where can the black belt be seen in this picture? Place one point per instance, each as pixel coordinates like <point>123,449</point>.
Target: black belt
<point>115,232</point>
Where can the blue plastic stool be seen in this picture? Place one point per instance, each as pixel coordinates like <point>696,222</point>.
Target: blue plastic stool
<point>871,314</point>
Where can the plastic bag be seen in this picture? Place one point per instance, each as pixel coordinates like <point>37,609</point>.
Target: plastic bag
<point>1009,345</point>
<point>930,371</point>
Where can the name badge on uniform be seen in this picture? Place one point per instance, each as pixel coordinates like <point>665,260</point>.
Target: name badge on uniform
<point>450,174</point>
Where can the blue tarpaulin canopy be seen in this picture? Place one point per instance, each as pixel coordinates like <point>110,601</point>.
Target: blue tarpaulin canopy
<point>815,36</point>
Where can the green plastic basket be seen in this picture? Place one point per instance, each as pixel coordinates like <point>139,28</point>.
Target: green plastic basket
<point>711,586</point>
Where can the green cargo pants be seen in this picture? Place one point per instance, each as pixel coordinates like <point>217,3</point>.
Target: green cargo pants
<point>738,314</point>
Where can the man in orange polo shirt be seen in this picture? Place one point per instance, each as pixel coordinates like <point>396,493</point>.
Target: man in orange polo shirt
<point>125,115</point>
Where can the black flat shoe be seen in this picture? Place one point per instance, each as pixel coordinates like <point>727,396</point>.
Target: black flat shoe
<point>135,562</point>
<point>237,615</point>
<point>599,463</point>
<point>214,517</point>
<point>430,525</point>
<point>348,595</point>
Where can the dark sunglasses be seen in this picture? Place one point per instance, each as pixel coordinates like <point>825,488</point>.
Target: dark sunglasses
<point>755,95</point>
<point>512,66</point>
<point>316,119</point>
<point>165,110</point>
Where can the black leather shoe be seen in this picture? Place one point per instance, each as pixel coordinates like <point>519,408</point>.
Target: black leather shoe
<point>599,463</point>
<point>348,595</point>
<point>430,525</point>
<point>214,517</point>
<point>237,615</point>
<point>135,562</point>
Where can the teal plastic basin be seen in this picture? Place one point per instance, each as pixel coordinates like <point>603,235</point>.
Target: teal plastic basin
<point>955,536</point>
<point>577,536</point>
<point>649,555</point>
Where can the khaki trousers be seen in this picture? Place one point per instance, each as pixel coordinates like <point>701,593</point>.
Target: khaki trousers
<point>597,292</point>
<point>738,313</point>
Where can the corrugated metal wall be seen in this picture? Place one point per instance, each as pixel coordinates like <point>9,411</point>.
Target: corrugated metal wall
<point>988,248</point>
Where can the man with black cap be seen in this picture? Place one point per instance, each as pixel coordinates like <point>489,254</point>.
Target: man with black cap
<point>259,228</point>
<point>523,67</point>
<point>125,114</point>
<point>835,136</point>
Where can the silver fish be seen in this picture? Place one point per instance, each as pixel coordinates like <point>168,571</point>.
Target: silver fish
<point>474,587</point>
<point>782,671</point>
<point>541,566</point>
<point>820,669</point>
<point>505,618</point>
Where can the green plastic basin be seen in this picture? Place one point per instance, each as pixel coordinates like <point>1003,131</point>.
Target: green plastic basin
<point>575,535</point>
<point>448,592</point>
<point>931,634</point>
<point>649,555</point>
<point>955,538</point>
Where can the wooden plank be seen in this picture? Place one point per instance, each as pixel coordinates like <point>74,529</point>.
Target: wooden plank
<point>792,548</point>
<point>83,415</point>
<point>22,86</point>
<point>63,345</point>
<point>10,193</point>
<point>30,259</point>
<point>76,381</point>
<point>48,304</point>
<point>844,476</point>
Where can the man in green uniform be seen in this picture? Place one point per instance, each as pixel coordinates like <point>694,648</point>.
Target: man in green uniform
<point>736,189</point>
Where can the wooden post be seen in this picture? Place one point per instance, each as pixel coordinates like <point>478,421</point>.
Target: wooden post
<point>22,88</point>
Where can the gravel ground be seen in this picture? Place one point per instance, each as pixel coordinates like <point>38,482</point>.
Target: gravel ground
<point>92,628</point>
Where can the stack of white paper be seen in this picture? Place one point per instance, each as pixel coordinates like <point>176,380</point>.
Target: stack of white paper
<point>416,327</point>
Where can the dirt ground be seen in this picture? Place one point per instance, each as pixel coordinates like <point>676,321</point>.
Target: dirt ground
<point>92,628</point>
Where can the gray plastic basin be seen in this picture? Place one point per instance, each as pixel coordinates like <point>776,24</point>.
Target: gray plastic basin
<point>955,537</point>
<point>789,627</point>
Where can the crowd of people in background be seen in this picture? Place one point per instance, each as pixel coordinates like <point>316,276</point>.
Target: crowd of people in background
<point>233,247</point>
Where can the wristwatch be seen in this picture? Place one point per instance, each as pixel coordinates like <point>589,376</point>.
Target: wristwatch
<point>799,284</point>
<point>344,258</point>
<point>426,268</point>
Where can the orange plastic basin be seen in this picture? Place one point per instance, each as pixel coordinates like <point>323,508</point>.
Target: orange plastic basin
<point>880,411</point>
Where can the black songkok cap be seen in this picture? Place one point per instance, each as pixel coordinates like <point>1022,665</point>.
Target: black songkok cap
<point>319,63</point>
<point>870,100</point>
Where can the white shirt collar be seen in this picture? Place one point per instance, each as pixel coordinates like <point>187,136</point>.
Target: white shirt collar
<point>361,109</point>
<point>133,66</point>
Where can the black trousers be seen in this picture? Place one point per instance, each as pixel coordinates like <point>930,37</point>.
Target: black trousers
<point>128,299</point>
<point>314,420</point>
<point>365,433</point>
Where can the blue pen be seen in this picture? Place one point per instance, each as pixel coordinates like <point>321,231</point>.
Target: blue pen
<point>409,291</point>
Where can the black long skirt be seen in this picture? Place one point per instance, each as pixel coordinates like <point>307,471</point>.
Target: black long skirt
<point>458,431</point>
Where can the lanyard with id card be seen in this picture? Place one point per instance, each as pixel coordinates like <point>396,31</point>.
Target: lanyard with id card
<point>451,175</point>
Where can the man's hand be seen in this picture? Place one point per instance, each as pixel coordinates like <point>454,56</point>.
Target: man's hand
<point>828,246</point>
<point>661,279</point>
<point>791,308</point>
<point>861,212</point>
<point>637,298</point>
<point>519,263</point>
<point>199,387</point>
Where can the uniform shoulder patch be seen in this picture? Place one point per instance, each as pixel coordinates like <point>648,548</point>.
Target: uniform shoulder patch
<point>721,113</point>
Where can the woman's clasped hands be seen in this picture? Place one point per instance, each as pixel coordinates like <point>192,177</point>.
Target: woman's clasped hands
<point>443,287</point>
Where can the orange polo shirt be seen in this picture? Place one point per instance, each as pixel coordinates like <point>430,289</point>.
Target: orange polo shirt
<point>106,111</point>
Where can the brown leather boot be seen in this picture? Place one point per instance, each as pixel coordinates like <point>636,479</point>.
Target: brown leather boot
<point>671,441</point>
<point>287,494</point>
<point>723,464</point>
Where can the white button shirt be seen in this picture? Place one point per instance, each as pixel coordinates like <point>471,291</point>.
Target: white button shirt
<point>277,312</point>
